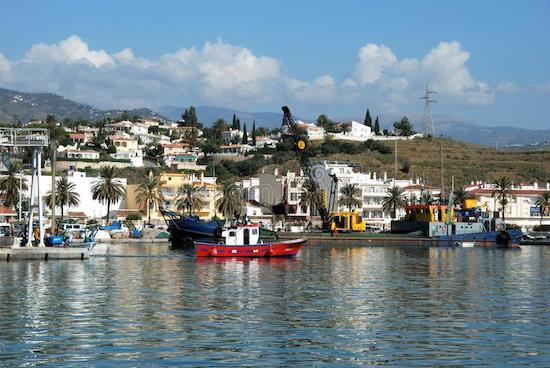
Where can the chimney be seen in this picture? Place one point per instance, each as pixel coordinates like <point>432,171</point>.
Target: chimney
<point>385,176</point>
<point>547,186</point>
<point>374,175</point>
<point>276,172</point>
<point>536,185</point>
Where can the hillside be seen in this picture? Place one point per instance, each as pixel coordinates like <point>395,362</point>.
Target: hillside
<point>465,161</point>
<point>24,107</point>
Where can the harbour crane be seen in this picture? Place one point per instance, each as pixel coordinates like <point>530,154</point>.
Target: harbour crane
<point>301,147</point>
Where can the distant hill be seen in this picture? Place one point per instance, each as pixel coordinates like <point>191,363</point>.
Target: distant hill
<point>15,105</point>
<point>463,161</point>
<point>24,106</point>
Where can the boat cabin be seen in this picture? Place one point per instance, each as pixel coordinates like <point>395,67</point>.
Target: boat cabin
<point>348,221</point>
<point>242,234</point>
<point>427,212</point>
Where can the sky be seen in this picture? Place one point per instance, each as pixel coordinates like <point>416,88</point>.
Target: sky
<point>488,60</point>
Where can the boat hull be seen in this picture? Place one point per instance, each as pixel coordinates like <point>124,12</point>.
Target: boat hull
<point>488,239</point>
<point>289,248</point>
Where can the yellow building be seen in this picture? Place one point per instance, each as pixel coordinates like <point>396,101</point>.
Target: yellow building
<point>170,184</point>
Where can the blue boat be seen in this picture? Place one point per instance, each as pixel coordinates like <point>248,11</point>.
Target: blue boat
<point>501,238</point>
<point>473,226</point>
<point>185,230</point>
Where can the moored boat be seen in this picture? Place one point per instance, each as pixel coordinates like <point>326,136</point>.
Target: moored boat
<point>243,240</point>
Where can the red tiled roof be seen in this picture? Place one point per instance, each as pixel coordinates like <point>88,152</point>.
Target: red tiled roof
<point>77,214</point>
<point>77,135</point>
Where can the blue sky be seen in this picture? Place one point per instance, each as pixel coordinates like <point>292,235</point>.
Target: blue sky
<point>488,59</point>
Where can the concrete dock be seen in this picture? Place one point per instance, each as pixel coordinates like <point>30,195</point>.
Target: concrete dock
<point>43,253</point>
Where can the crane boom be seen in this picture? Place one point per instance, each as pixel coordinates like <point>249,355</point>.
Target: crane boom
<point>301,146</point>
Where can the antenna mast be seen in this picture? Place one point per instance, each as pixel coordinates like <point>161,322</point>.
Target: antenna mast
<point>428,119</point>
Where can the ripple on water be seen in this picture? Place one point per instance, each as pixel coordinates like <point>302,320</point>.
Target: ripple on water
<point>332,306</point>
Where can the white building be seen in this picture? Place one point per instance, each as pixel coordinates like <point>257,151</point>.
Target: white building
<point>183,161</point>
<point>373,189</point>
<point>82,154</point>
<point>232,135</point>
<point>83,186</point>
<point>263,141</point>
<point>234,150</point>
<point>521,209</point>
<point>150,138</point>
<point>357,132</point>
<point>313,131</point>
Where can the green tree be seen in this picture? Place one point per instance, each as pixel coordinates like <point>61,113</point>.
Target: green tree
<point>245,135</point>
<point>460,195</point>
<point>394,201</point>
<point>503,192</point>
<point>426,197</point>
<point>404,127</point>
<point>9,184</point>
<point>254,133</point>
<point>543,203</point>
<point>376,126</point>
<point>234,125</point>
<point>65,195</point>
<point>107,188</point>
<point>368,119</point>
<point>189,117</point>
<point>189,199</point>
<point>308,196</point>
<point>149,192</point>
<point>230,204</point>
<point>348,196</point>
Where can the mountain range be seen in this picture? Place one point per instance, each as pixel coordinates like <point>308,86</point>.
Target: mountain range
<point>24,106</point>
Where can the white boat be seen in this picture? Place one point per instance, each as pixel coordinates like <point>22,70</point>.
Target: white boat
<point>467,244</point>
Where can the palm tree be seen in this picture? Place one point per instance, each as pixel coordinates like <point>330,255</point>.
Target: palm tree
<point>65,195</point>
<point>9,184</point>
<point>189,199</point>
<point>394,201</point>
<point>349,194</point>
<point>543,203</point>
<point>149,192</point>
<point>502,192</point>
<point>108,189</point>
<point>231,202</point>
<point>460,195</point>
<point>426,197</point>
<point>308,197</point>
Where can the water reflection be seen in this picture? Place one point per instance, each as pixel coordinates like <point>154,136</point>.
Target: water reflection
<point>332,305</point>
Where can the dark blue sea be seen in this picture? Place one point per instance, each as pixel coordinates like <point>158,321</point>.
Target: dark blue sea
<point>145,305</point>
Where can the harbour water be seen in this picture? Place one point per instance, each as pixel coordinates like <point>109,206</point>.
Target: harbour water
<point>145,305</point>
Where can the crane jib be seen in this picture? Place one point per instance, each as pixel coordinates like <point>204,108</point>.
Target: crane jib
<point>306,166</point>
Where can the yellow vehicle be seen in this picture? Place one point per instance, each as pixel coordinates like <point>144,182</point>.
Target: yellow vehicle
<point>348,221</point>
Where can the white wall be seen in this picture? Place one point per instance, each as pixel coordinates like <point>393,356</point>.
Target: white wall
<point>89,206</point>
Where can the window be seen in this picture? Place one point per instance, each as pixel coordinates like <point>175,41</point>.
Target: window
<point>232,233</point>
<point>293,184</point>
<point>293,196</point>
<point>254,231</point>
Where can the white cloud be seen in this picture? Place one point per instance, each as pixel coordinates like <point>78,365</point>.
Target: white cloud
<point>222,74</point>
<point>4,64</point>
<point>71,50</point>
<point>507,87</point>
<point>373,60</point>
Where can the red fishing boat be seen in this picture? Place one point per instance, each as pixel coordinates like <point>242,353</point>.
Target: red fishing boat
<point>244,241</point>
